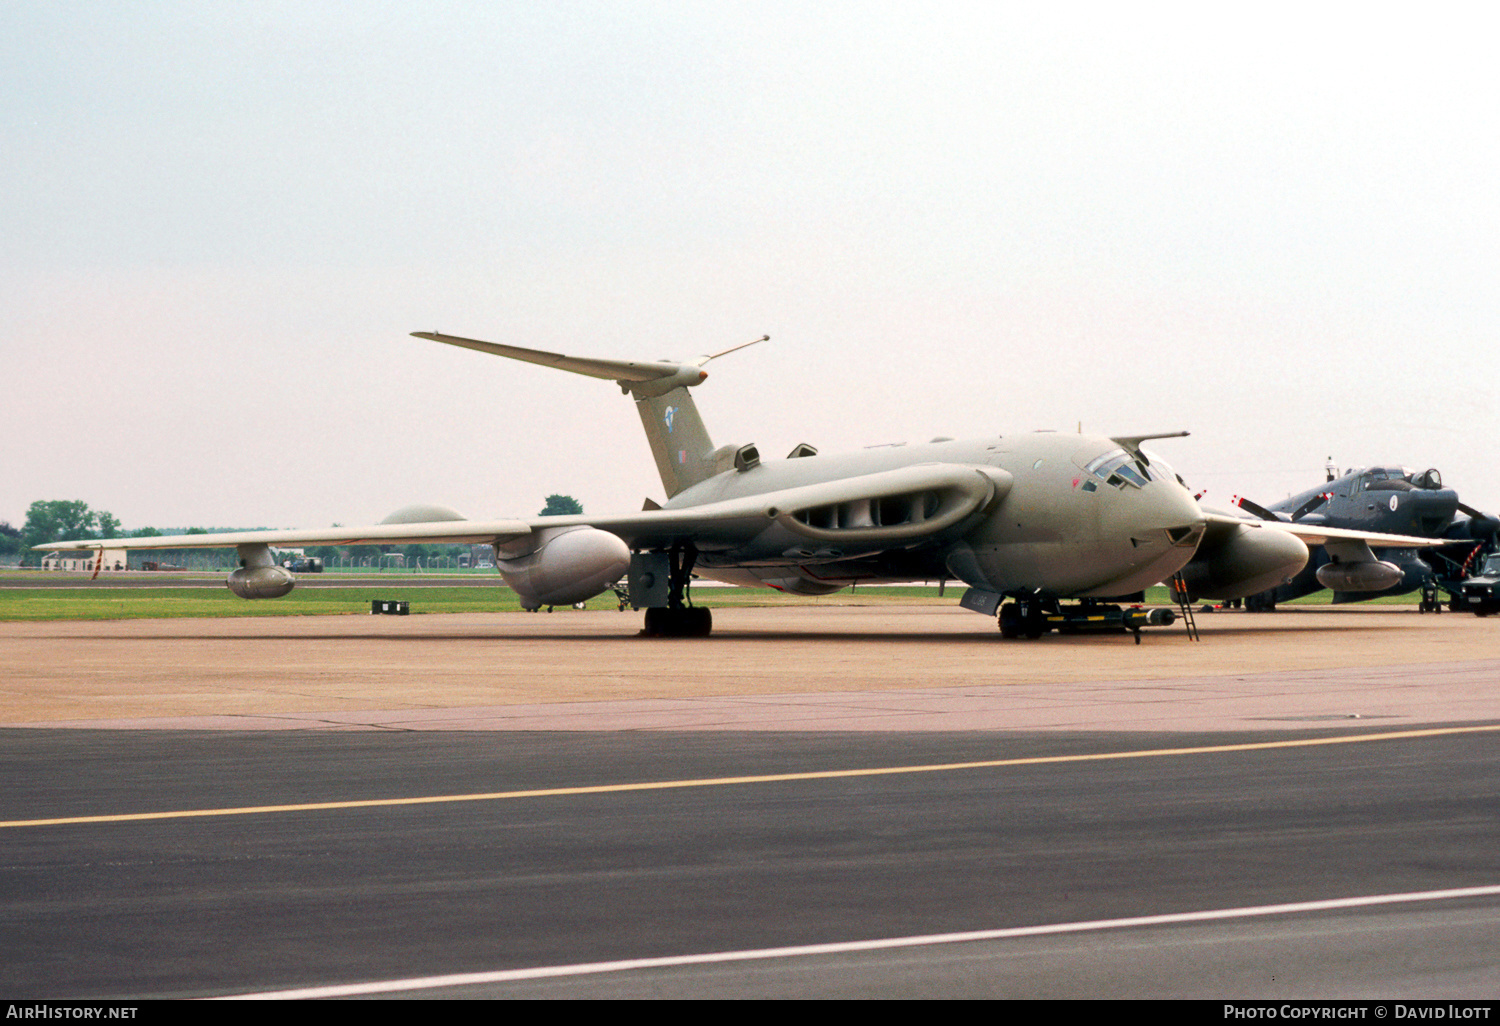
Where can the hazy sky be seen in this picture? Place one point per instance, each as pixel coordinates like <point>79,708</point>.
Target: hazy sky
<point>1277,227</point>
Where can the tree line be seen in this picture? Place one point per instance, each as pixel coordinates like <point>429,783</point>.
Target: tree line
<point>55,520</point>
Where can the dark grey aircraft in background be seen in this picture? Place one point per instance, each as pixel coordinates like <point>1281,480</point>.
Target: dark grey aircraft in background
<point>1036,518</point>
<point>1390,500</point>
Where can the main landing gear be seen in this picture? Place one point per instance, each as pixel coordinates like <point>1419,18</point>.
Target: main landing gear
<point>678,622</point>
<point>1265,602</point>
<point>677,619</point>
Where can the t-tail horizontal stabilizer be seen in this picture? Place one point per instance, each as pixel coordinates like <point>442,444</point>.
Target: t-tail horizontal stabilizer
<point>679,441</point>
<point>636,377</point>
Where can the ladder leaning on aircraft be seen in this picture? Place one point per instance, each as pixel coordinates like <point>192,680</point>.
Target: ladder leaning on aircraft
<point>1034,519</point>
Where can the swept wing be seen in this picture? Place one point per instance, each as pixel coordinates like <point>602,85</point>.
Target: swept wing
<point>1318,534</point>
<point>934,498</point>
<point>457,532</point>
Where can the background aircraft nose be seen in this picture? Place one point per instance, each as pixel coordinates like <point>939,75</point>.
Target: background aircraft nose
<point>1431,509</point>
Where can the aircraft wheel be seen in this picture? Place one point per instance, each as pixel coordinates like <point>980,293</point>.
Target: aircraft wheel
<point>1029,619</point>
<point>1010,621</point>
<point>685,622</point>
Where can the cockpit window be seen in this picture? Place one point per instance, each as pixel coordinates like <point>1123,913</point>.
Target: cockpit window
<point>1390,479</point>
<point>1160,469</point>
<point>1119,468</point>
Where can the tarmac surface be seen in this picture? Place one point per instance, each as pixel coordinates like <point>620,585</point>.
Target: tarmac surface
<point>839,801</point>
<point>783,668</point>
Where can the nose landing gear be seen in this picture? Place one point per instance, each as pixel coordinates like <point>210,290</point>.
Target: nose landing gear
<point>1027,616</point>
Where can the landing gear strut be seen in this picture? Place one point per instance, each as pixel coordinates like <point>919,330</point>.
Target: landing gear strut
<point>677,619</point>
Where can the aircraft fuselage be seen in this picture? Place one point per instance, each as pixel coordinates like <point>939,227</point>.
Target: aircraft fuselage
<point>1061,528</point>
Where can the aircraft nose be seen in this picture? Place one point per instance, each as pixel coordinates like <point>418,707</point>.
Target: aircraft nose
<point>1159,528</point>
<point>1432,509</point>
<point>1161,515</point>
<point>1171,509</point>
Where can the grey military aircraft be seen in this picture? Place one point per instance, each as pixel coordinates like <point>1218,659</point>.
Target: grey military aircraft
<point>1038,518</point>
<point>1386,499</point>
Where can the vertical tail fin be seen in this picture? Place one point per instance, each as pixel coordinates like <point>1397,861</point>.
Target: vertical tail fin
<point>679,441</point>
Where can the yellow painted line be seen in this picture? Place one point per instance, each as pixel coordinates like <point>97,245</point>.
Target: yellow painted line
<point>769,778</point>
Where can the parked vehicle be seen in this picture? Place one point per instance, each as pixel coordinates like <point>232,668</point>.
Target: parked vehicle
<point>1479,594</point>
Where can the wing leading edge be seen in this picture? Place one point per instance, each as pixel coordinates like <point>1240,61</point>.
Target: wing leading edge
<point>949,493</point>
<point>455,532</point>
<point>1317,534</point>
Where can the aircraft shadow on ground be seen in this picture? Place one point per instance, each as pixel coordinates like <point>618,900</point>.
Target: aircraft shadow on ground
<point>726,636</point>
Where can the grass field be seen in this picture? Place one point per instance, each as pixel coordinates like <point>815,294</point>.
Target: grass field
<point>153,603</point>
<point>125,603</point>
<point>117,603</point>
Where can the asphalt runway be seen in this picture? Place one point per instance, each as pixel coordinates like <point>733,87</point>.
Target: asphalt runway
<point>287,898</point>
<point>1316,760</point>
